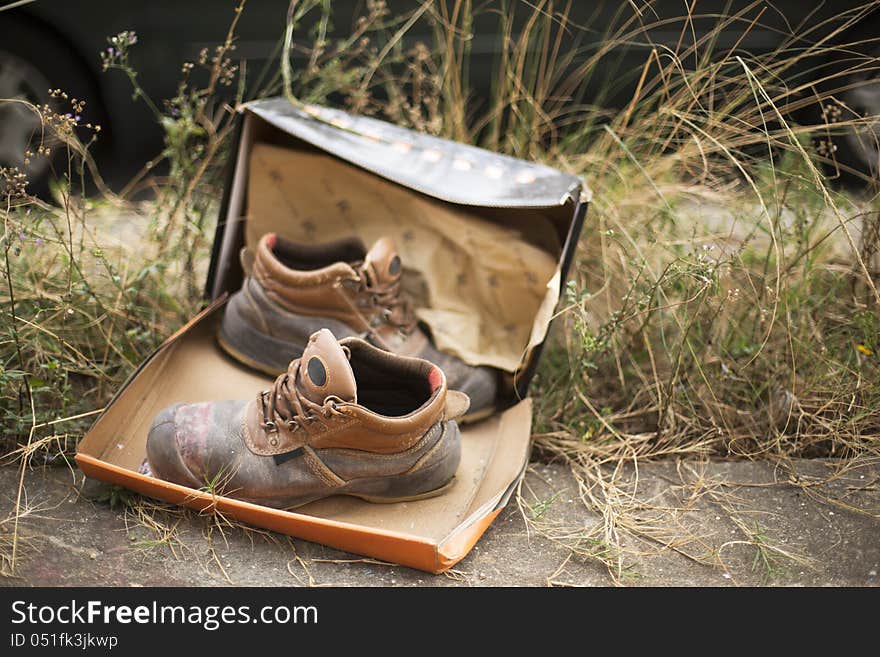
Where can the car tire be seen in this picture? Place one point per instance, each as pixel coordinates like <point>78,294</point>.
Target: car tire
<point>860,146</point>
<point>33,60</point>
<point>854,155</point>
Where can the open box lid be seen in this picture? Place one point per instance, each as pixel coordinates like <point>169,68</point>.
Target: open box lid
<point>443,169</point>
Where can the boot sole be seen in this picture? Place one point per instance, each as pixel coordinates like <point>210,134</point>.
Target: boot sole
<point>376,499</point>
<point>249,346</point>
<point>423,484</point>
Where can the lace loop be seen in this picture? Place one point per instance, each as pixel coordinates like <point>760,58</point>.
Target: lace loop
<point>392,306</point>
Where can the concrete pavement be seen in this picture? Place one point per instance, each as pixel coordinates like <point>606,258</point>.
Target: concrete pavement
<point>717,523</point>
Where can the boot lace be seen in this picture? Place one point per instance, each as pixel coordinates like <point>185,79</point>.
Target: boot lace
<point>284,405</point>
<point>394,307</point>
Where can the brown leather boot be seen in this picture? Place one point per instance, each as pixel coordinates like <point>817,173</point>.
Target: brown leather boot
<point>347,418</point>
<point>294,290</point>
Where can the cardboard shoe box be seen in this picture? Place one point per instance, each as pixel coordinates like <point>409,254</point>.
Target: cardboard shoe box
<point>486,241</point>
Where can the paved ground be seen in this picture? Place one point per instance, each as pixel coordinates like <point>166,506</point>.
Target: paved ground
<point>734,523</point>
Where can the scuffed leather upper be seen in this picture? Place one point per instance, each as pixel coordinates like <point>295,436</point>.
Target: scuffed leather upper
<point>350,425</point>
<point>316,292</point>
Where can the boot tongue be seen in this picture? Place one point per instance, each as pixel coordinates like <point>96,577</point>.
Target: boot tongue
<point>382,262</point>
<point>324,370</point>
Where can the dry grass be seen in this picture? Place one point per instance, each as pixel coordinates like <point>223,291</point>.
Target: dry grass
<point>725,296</point>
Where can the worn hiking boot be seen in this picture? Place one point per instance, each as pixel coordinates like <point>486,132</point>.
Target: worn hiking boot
<point>294,290</point>
<point>346,418</point>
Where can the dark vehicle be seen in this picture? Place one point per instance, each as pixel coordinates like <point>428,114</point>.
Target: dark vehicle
<point>45,45</point>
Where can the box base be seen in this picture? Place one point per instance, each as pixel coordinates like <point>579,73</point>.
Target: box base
<point>430,535</point>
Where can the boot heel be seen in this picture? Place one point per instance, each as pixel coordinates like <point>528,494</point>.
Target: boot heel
<point>251,347</point>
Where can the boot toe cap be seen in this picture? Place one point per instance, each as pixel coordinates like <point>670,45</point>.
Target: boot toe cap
<point>165,452</point>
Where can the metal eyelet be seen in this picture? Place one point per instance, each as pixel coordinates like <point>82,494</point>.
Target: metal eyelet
<point>273,442</point>
<point>270,426</point>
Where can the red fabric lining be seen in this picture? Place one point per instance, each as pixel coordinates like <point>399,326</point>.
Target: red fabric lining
<point>435,377</point>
